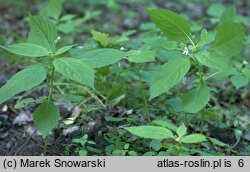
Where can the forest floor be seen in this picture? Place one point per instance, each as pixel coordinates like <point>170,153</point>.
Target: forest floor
<point>18,135</point>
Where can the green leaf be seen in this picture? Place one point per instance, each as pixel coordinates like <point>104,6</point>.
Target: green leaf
<point>53,9</point>
<point>101,57</point>
<point>239,81</point>
<point>245,20</point>
<point>216,9</point>
<point>238,133</point>
<point>70,26</point>
<point>102,38</point>
<point>126,146</point>
<point>132,153</point>
<point>167,76</point>
<point>174,26</point>
<point>25,79</point>
<point>181,130</point>
<point>193,138</point>
<point>63,49</point>
<point>42,32</point>
<point>24,103</point>
<point>229,14</point>
<point>168,55</point>
<point>165,124</point>
<point>204,36</point>
<point>150,132</point>
<point>159,41</point>
<point>229,39</point>
<point>46,117</point>
<point>83,152</point>
<point>196,99</point>
<point>155,144</point>
<point>67,17</point>
<point>175,104</point>
<point>75,70</point>
<point>214,60</point>
<point>141,56</point>
<point>27,49</point>
<point>246,72</point>
<point>217,142</point>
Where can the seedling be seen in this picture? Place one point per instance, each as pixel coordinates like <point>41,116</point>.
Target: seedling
<point>170,133</point>
<point>84,149</point>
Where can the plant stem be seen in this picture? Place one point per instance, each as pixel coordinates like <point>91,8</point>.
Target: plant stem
<point>186,119</point>
<point>196,61</point>
<point>51,86</point>
<point>202,122</point>
<point>87,90</point>
<point>190,39</point>
<point>45,148</point>
<point>201,84</point>
<point>143,95</point>
<point>237,142</point>
<point>199,69</point>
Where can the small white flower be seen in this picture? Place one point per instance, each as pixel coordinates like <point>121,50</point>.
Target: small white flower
<point>185,51</point>
<point>5,108</point>
<point>58,38</point>
<point>122,49</point>
<point>245,62</point>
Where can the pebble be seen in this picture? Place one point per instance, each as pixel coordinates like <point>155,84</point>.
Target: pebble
<point>3,136</point>
<point>3,117</point>
<point>22,118</point>
<point>69,130</point>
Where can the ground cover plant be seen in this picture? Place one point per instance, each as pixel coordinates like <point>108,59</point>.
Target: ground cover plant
<point>157,81</point>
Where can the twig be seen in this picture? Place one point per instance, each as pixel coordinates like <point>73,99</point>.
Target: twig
<point>141,87</point>
<point>21,147</point>
<point>86,89</point>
